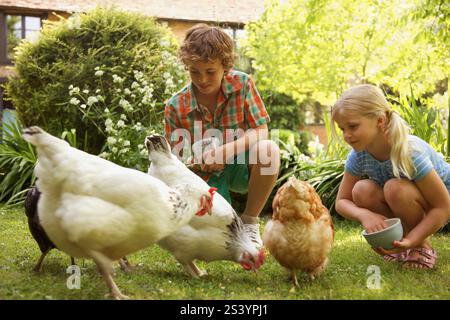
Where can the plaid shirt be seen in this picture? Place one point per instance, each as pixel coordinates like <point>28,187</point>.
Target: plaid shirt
<point>239,105</point>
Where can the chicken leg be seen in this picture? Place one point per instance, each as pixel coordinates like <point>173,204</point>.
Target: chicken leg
<point>194,271</point>
<point>38,267</point>
<point>104,265</point>
<point>125,265</point>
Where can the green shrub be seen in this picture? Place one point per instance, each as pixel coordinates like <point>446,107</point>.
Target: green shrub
<point>88,61</point>
<point>17,160</point>
<point>285,112</point>
<point>424,120</point>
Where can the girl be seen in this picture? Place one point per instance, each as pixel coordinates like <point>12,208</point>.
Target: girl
<point>408,179</point>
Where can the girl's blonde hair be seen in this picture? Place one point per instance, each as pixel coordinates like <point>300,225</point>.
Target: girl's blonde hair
<point>369,101</point>
<point>206,43</point>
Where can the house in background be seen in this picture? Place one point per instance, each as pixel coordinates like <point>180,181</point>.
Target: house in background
<point>20,19</point>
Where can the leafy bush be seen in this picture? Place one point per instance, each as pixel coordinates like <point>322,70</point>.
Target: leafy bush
<point>284,111</point>
<point>80,66</point>
<point>425,120</point>
<point>287,116</point>
<point>17,160</point>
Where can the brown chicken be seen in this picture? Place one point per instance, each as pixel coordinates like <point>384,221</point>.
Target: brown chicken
<point>300,234</point>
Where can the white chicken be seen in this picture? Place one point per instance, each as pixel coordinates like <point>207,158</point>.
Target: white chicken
<point>93,208</point>
<point>300,234</point>
<point>220,236</point>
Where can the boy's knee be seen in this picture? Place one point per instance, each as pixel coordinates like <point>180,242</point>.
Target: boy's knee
<point>365,193</point>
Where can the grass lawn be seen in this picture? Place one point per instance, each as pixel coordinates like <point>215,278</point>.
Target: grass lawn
<point>157,275</point>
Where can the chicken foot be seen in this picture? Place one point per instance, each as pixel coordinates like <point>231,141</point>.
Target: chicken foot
<point>38,267</point>
<point>104,265</point>
<point>294,279</point>
<point>193,270</point>
<point>125,265</point>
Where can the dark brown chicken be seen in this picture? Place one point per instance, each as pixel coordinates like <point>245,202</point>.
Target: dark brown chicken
<point>38,233</point>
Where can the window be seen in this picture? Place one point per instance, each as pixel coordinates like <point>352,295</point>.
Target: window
<point>236,35</point>
<point>242,62</point>
<point>14,28</point>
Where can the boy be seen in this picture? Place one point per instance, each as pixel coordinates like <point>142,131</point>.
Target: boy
<point>221,99</point>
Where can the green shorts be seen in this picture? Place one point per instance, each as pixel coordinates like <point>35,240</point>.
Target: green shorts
<point>234,177</point>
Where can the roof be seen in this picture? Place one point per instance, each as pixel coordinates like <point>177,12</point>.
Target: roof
<point>231,11</point>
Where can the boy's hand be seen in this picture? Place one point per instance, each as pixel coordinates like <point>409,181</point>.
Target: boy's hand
<point>210,163</point>
<point>373,222</point>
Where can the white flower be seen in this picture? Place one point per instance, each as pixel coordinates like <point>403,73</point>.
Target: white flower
<point>117,79</point>
<point>74,101</point>
<point>140,146</point>
<point>137,126</point>
<point>83,106</point>
<point>134,85</point>
<point>104,155</point>
<point>127,91</point>
<point>99,73</point>
<point>144,152</point>
<point>75,90</point>
<point>126,143</point>
<point>120,124</point>
<point>125,105</point>
<point>71,87</point>
<point>85,91</point>
<point>138,75</point>
<point>108,123</point>
<point>97,68</point>
<point>92,100</point>
<point>123,117</point>
<point>107,111</point>
<point>97,91</point>
<point>111,140</point>
<point>166,75</point>
<point>114,150</point>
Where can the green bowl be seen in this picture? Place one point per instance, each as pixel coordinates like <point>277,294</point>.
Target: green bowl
<point>385,237</point>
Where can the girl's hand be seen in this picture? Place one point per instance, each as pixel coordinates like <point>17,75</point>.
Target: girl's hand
<point>400,246</point>
<point>373,222</point>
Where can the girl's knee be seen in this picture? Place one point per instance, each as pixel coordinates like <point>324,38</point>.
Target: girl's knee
<point>366,193</point>
<point>398,190</point>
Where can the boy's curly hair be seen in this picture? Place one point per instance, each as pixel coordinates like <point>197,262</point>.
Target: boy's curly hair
<point>206,43</point>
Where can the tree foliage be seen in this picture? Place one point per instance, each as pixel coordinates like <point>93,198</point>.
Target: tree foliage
<point>318,48</point>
